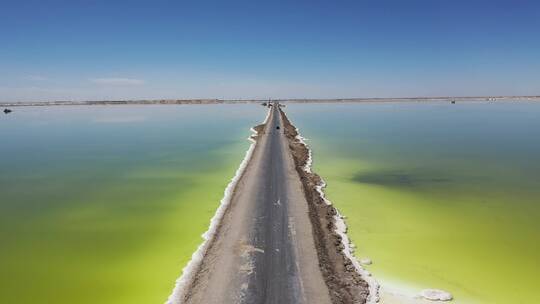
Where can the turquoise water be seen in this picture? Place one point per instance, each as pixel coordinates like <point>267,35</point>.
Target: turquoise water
<point>437,195</point>
<point>106,204</point>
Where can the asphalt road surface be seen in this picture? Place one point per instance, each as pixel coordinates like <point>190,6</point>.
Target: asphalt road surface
<point>263,251</point>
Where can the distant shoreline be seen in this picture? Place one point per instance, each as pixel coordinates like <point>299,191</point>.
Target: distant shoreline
<point>257,101</point>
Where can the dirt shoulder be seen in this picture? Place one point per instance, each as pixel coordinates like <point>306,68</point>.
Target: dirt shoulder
<point>344,282</point>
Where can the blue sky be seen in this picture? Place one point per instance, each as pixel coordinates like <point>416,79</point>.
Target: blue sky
<point>58,50</point>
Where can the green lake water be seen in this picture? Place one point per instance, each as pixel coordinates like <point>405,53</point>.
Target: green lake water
<point>106,204</point>
<point>437,195</point>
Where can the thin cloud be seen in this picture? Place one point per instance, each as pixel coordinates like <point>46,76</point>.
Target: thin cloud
<point>36,78</point>
<point>118,81</point>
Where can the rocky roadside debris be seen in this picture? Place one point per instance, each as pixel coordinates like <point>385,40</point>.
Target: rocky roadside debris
<point>259,129</point>
<point>344,282</point>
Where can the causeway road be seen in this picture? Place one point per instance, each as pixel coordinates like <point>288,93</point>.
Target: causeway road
<point>263,251</point>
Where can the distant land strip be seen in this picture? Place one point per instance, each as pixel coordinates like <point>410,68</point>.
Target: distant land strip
<point>237,101</point>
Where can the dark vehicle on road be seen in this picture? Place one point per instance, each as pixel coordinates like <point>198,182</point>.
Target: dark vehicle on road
<point>6,111</point>
<point>277,127</point>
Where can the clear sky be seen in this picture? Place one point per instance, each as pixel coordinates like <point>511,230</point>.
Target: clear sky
<point>57,50</point>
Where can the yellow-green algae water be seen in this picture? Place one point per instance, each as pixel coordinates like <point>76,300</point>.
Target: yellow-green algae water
<point>437,195</point>
<point>106,204</point>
